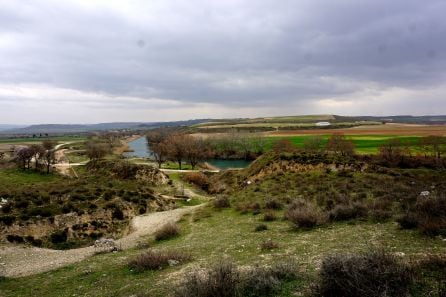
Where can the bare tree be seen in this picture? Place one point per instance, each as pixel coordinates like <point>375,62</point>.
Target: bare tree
<point>391,150</point>
<point>49,155</point>
<point>196,149</point>
<point>435,145</point>
<point>284,145</point>
<point>156,142</point>
<point>176,150</point>
<point>339,144</point>
<point>96,150</point>
<point>24,156</point>
<point>38,153</point>
<point>313,144</point>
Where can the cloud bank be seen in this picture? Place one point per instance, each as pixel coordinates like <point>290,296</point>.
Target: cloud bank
<point>96,61</point>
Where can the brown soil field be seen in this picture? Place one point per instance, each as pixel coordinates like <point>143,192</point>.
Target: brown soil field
<point>388,129</point>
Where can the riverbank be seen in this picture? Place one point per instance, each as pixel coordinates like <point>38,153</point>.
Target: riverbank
<point>124,147</point>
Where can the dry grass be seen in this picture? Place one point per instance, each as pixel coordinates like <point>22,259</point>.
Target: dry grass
<point>374,274</point>
<point>168,231</point>
<point>227,280</point>
<point>158,259</point>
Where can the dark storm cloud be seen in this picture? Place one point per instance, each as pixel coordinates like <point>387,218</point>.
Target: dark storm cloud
<point>229,53</point>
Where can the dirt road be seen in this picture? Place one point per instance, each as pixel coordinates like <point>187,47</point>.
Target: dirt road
<point>16,261</point>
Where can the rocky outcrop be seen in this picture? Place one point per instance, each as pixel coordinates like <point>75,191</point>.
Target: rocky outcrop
<point>152,175</point>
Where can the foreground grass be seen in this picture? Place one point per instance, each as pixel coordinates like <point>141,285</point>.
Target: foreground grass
<point>19,178</point>
<point>209,236</point>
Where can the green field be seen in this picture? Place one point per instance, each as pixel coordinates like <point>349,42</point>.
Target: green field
<point>37,139</point>
<point>364,144</point>
<point>16,178</point>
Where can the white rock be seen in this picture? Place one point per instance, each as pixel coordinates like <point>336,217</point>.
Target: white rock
<point>173,262</point>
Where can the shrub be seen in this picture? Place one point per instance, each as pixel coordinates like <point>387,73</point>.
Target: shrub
<point>197,178</point>
<point>342,212</point>
<point>268,245</point>
<point>14,238</point>
<point>222,202</point>
<point>304,214</point>
<point>430,275</point>
<point>117,214</point>
<point>7,220</point>
<point>156,259</point>
<point>375,273</point>
<point>59,236</point>
<point>407,221</point>
<point>431,215</point>
<point>261,227</point>
<point>269,217</point>
<point>222,280</point>
<point>168,231</point>
<point>273,204</point>
<point>226,280</point>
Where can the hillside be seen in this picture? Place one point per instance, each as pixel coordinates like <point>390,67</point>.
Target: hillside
<point>83,128</point>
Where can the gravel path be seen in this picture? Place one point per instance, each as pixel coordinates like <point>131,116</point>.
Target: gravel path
<point>19,260</point>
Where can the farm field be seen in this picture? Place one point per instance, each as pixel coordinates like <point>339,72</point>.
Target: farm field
<point>388,129</point>
<point>364,144</point>
<point>27,140</point>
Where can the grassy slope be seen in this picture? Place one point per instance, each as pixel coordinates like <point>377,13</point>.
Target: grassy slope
<point>208,240</point>
<point>15,178</point>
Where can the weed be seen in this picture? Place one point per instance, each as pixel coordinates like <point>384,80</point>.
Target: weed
<point>158,259</point>
<point>304,214</point>
<point>168,231</point>
<point>261,227</point>
<point>376,273</point>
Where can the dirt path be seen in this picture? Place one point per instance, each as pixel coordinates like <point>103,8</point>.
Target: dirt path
<point>16,261</point>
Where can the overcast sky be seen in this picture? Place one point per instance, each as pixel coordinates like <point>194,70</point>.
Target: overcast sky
<point>159,60</point>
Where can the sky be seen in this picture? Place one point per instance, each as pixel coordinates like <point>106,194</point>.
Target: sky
<point>90,61</point>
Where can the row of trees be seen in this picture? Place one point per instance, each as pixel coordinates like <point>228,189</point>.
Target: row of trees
<point>238,144</point>
<point>430,146</point>
<point>336,144</point>
<point>42,155</point>
<point>166,145</point>
<point>178,148</point>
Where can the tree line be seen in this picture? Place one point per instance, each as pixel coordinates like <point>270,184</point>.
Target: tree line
<point>42,155</point>
<point>167,145</point>
<point>393,151</point>
<point>178,148</point>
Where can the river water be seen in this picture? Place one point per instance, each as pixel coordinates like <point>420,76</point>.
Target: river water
<point>141,150</point>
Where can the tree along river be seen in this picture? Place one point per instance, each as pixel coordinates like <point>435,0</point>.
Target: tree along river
<point>140,149</point>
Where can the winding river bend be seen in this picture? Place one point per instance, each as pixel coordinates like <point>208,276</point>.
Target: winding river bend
<point>141,150</point>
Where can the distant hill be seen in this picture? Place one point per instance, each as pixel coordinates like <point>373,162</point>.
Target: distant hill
<point>265,123</point>
<point>9,127</point>
<point>84,128</point>
<point>407,119</point>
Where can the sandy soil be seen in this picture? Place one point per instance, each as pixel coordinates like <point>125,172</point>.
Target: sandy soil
<point>18,260</point>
